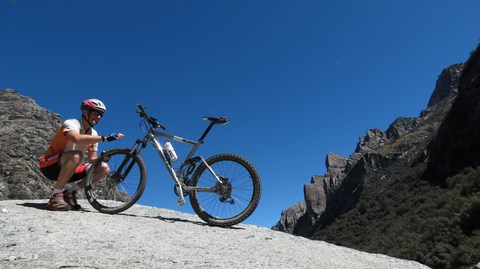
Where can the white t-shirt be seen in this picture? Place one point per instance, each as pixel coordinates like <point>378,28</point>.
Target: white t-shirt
<point>60,143</point>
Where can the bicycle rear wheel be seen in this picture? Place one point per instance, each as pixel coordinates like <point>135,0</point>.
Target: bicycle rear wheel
<point>234,199</point>
<point>123,185</point>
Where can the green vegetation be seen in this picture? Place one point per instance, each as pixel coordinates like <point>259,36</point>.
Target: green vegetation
<point>409,218</point>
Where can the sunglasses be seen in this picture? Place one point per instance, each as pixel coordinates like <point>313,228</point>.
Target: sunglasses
<point>97,113</point>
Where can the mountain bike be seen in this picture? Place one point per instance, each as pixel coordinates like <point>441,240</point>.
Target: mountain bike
<point>223,190</point>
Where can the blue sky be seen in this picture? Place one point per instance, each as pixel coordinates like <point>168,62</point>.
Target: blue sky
<point>298,79</point>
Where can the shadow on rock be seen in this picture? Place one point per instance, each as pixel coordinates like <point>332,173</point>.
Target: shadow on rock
<point>42,206</point>
<point>173,220</point>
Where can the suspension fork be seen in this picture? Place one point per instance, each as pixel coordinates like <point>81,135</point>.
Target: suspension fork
<point>137,148</point>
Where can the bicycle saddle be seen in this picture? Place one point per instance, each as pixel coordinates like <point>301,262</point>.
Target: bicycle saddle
<point>217,120</point>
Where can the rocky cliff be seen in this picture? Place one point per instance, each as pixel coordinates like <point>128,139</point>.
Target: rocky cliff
<point>457,144</point>
<point>338,191</point>
<point>411,191</point>
<point>25,129</point>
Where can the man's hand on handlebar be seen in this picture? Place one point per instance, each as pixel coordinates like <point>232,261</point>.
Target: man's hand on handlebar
<point>112,137</point>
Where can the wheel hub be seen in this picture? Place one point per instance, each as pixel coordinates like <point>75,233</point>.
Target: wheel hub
<point>224,189</point>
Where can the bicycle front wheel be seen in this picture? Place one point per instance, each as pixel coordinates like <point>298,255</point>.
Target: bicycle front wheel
<point>123,185</point>
<point>230,201</point>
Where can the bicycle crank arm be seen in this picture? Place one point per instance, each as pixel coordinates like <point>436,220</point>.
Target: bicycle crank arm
<point>181,199</point>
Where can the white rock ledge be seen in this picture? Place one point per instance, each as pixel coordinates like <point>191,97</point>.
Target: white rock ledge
<point>149,237</point>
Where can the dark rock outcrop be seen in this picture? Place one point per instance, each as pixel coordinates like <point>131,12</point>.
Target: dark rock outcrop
<point>444,88</point>
<point>457,144</point>
<point>331,195</point>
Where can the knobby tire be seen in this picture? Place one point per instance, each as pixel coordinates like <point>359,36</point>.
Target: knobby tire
<point>236,200</point>
<point>114,195</point>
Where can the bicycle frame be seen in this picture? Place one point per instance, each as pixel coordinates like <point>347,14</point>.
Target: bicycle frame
<point>177,176</point>
<point>224,197</point>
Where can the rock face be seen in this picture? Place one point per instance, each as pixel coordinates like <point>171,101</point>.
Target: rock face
<point>457,144</point>
<point>444,88</point>
<point>336,192</point>
<point>25,129</point>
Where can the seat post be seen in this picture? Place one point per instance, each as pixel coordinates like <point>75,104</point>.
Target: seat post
<point>206,132</point>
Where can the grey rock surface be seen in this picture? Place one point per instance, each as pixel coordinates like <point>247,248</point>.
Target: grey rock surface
<point>25,130</point>
<point>149,237</point>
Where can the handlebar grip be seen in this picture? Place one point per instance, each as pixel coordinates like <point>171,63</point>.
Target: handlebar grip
<point>141,108</point>
<point>151,120</point>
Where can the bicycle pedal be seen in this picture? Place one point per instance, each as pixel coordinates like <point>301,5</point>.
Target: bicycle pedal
<point>181,201</point>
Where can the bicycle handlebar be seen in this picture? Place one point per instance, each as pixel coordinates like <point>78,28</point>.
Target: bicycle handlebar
<point>151,120</point>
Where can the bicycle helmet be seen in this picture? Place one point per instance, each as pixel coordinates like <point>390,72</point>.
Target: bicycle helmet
<point>93,104</point>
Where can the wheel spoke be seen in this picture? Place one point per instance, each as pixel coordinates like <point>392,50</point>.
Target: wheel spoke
<point>123,186</point>
<point>235,199</point>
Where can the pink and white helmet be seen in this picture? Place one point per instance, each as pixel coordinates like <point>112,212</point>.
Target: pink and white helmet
<point>93,104</point>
